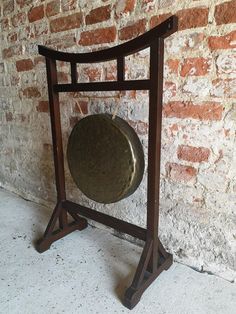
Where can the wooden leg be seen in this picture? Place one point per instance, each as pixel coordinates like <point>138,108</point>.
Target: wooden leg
<point>51,236</point>
<point>143,278</point>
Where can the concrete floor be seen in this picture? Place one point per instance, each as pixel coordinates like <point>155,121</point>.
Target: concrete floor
<point>88,271</point>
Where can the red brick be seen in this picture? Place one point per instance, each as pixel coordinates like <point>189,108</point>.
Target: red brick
<point>31,92</point>
<point>12,51</point>
<point>225,13</point>
<point>124,6</point>
<point>98,15</point>
<point>110,73</point>
<point>81,104</point>
<point>133,30</point>
<point>195,67</point>
<point>191,18</point>
<point>24,65</point>
<point>203,111</point>
<point>169,89</point>
<point>174,129</point>
<point>65,23</point>
<point>43,106</point>
<point>93,74</point>
<point>5,25</point>
<point>12,37</point>
<point>18,19</point>
<point>53,8</point>
<point>172,66</point>
<point>193,154</point>
<point>157,19</point>
<point>188,18</point>
<point>9,116</point>
<point>227,41</point>
<point>181,173</point>
<point>98,36</point>
<point>8,7</point>
<point>36,13</point>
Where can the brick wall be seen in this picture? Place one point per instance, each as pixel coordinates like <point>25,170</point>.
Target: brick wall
<point>198,182</point>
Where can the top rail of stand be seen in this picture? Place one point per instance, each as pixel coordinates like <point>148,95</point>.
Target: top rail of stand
<point>141,42</point>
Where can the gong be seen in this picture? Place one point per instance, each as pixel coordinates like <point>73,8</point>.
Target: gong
<point>105,158</point>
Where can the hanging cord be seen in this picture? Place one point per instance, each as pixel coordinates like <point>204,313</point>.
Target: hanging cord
<point>81,111</point>
<point>116,107</point>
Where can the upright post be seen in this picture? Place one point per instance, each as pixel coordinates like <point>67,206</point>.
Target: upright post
<point>154,146</point>
<point>56,138</point>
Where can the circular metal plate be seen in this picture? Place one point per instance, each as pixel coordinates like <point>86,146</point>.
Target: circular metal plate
<point>105,158</point>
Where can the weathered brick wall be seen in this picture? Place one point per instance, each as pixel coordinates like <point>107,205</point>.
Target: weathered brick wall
<point>198,182</point>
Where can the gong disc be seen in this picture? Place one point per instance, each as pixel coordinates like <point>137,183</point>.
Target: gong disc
<point>105,158</point>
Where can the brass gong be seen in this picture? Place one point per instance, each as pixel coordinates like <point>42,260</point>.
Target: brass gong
<point>105,158</point>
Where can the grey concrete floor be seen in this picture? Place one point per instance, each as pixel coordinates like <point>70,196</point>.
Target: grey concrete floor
<point>88,271</point>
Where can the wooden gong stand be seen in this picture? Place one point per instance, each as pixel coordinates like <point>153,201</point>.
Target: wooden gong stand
<point>154,258</point>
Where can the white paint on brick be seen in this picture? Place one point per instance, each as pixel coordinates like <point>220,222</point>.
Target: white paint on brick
<point>197,87</point>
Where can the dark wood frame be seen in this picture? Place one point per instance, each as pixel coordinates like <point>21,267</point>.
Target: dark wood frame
<point>154,258</point>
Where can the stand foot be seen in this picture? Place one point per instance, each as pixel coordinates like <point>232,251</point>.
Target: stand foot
<point>133,294</point>
<point>168,262</point>
<point>131,298</point>
<point>45,243</point>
